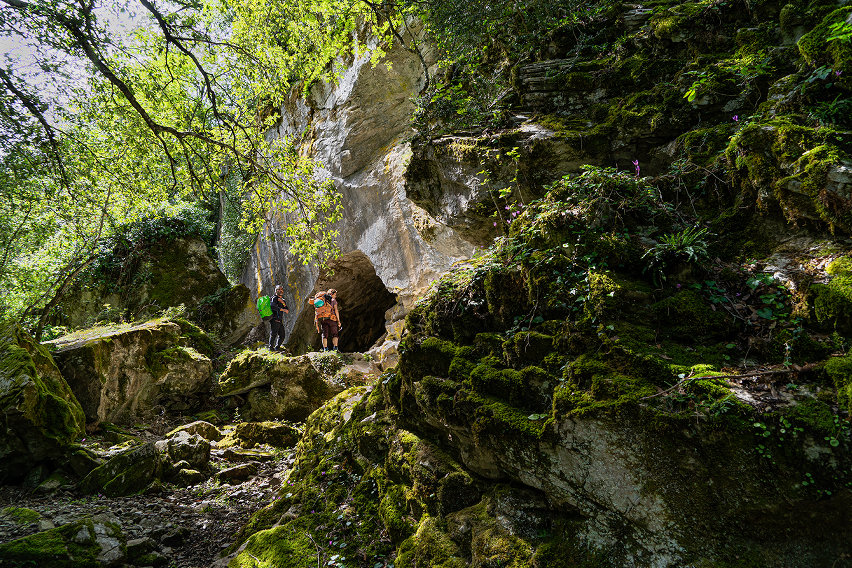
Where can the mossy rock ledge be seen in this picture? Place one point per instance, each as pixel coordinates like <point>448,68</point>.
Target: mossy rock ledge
<point>121,372</point>
<point>39,415</point>
<point>93,542</point>
<point>277,387</point>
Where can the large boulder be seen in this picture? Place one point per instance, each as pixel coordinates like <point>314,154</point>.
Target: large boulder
<point>191,448</point>
<point>39,415</point>
<point>119,373</point>
<point>251,434</point>
<point>159,275</point>
<point>276,387</point>
<point>204,429</point>
<point>156,276</point>
<point>125,473</point>
<point>290,388</point>
<point>94,542</point>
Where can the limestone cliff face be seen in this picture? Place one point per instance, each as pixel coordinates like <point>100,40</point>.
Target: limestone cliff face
<point>358,130</point>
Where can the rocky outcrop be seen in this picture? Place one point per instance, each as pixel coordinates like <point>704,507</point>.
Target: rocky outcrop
<point>164,274</point>
<point>120,373</point>
<point>357,129</point>
<point>94,542</point>
<point>39,415</point>
<point>200,427</point>
<point>276,387</point>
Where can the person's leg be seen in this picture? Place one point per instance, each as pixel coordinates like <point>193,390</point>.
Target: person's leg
<point>324,330</point>
<point>334,334</point>
<point>273,333</point>
<point>279,337</point>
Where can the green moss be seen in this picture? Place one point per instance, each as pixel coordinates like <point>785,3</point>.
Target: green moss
<point>676,21</point>
<point>506,384</point>
<point>817,50</point>
<point>839,369</point>
<point>289,545</point>
<point>833,301</point>
<point>815,415</point>
<point>687,316</point>
<point>20,515</point>
<point>595,383</point>
<point>41,414</point>
<point>703,146</point>
<point>488,344</point>
<point>805,190</point>
<point>432,356</point>
<point>429,546</point>
<point>460,369</point>
<point>394,514</point>
<point>195,337</point>
<point>496,418</point>
<point>790,179</point>
<point>69,546</point>
<point>527,347</point>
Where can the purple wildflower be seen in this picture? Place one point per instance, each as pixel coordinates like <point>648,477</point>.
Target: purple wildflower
<point>636,165</point>
<point>735,118</point>
<point>838,73</point>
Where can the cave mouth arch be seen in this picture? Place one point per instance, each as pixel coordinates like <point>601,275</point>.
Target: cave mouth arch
<point>362,300</point>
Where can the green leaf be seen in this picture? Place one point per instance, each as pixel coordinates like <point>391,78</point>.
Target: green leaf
<point>765,313</point>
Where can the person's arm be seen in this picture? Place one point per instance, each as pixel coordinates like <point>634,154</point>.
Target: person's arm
<point>339,323</point>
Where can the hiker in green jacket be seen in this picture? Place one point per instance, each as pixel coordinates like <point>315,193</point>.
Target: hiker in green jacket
<point>279,308</point>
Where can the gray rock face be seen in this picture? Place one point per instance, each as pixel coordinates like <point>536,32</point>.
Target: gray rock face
<point>229,314</point>
<point>191,448</point>
<point>122,372</point>
<point>358,129</point>
<point>39,415</point>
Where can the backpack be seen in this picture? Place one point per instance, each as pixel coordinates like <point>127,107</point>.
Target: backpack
<point>264,306</point>
<point>323,307</point>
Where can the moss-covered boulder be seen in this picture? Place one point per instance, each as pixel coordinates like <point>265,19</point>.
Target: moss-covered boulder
<point>278,387</point>
<point>39,415</point>
<point>200,427</point>
<point>95,542</point>
<point>121,372</point>
<point>251,434</point>
<point>156,276</point>
<point>126,473</point>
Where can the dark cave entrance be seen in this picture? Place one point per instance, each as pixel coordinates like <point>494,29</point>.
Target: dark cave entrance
<point>362,300</point>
